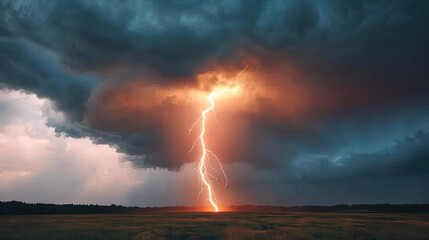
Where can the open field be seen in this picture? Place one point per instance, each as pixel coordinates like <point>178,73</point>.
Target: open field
<point>228,225</point>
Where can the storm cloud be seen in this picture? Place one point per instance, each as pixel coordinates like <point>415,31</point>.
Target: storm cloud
<point>346,79</point>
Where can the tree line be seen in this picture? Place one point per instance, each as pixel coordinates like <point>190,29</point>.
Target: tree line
<point>22,208</point>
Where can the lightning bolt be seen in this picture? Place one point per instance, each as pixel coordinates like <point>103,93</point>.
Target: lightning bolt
<point>204,163</point>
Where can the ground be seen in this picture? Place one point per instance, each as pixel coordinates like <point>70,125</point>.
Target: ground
<point>228,225</point>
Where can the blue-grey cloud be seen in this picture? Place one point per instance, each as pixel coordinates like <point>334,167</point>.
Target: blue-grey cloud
<point>24,66</point>
<point>395,174</point>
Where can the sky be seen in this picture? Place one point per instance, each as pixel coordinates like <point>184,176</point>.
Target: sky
<point>97,99</point>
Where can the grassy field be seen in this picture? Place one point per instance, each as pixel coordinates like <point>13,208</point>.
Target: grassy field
<point>228,225</point>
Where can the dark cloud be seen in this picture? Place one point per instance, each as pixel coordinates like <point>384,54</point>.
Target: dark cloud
<point>24,66</point>
<point>351,58</point>
<point>138,36</point>
<point>407,157</point>
<point>395,174</point>
<point>178,39</point>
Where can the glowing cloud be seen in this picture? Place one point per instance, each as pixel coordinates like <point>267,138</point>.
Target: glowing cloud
<point>204,163</point>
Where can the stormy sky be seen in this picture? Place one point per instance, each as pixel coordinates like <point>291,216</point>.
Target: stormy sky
<point>96,99</point>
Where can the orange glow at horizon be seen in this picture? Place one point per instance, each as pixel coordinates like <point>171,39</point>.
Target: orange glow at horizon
<point>204,175</point>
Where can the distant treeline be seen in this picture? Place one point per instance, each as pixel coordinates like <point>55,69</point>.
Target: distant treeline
<point>21,208</point>
<point>381,208</point>
<point>15,207</point>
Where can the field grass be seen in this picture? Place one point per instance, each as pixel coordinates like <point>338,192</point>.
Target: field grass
<point>228,225</point>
